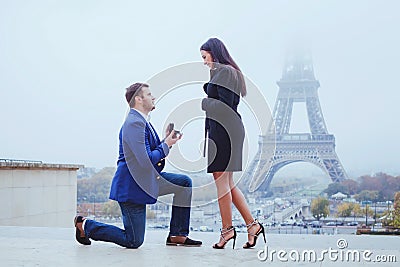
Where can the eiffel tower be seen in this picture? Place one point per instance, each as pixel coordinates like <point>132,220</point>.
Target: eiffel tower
<point>298,84</point>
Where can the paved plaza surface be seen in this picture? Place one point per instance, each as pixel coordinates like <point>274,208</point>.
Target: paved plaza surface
<point>37,246</point>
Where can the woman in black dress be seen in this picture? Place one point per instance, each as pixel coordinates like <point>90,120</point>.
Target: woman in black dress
<point>225,138</point>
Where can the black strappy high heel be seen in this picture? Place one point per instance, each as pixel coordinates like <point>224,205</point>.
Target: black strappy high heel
<point>223,232</point>
<point>260,231</point>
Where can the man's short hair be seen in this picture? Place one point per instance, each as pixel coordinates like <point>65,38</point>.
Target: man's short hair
<point>132,91</point>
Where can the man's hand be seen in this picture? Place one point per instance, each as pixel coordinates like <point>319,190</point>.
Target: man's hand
<point>170,140</point>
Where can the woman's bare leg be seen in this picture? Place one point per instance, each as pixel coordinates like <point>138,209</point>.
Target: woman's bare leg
<point>224,201</point>
<point>240,203</point>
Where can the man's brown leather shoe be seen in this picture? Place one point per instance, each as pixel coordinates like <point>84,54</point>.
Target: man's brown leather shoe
<point>187,243</point>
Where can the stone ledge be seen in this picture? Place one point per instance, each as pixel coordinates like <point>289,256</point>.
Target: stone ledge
<point>5,164</point>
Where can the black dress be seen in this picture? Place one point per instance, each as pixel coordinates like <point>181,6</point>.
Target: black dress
<point>223,122</point>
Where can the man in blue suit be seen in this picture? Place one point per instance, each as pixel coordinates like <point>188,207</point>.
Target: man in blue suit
<point>139,180</point>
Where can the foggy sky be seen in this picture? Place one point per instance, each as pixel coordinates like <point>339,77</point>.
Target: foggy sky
<point>64,67</point>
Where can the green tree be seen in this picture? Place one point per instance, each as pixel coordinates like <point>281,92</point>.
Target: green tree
<point>111,209</point>
<point>396,210</point>
<point>320,207</point>
<point>369,211</point>
<point>351,187</point>
<point>348,210</point>
<point>390,186</point>
<point>333,188</point>
<point>385,184</point>
<point>96,188</point>
<point>367,195</point>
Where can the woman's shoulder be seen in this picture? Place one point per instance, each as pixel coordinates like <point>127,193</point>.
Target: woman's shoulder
<point>222,69</point>
<point>225,76</point>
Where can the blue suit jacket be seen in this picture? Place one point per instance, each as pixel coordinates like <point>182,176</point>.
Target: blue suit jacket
<point>141,159</point>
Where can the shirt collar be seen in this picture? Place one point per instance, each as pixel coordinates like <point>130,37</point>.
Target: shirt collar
<point>146,117</point>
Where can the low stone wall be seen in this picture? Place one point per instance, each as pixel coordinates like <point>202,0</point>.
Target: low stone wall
<point>37,194</point>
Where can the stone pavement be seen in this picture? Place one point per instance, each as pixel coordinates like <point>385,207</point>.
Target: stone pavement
<point>36,246</point>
